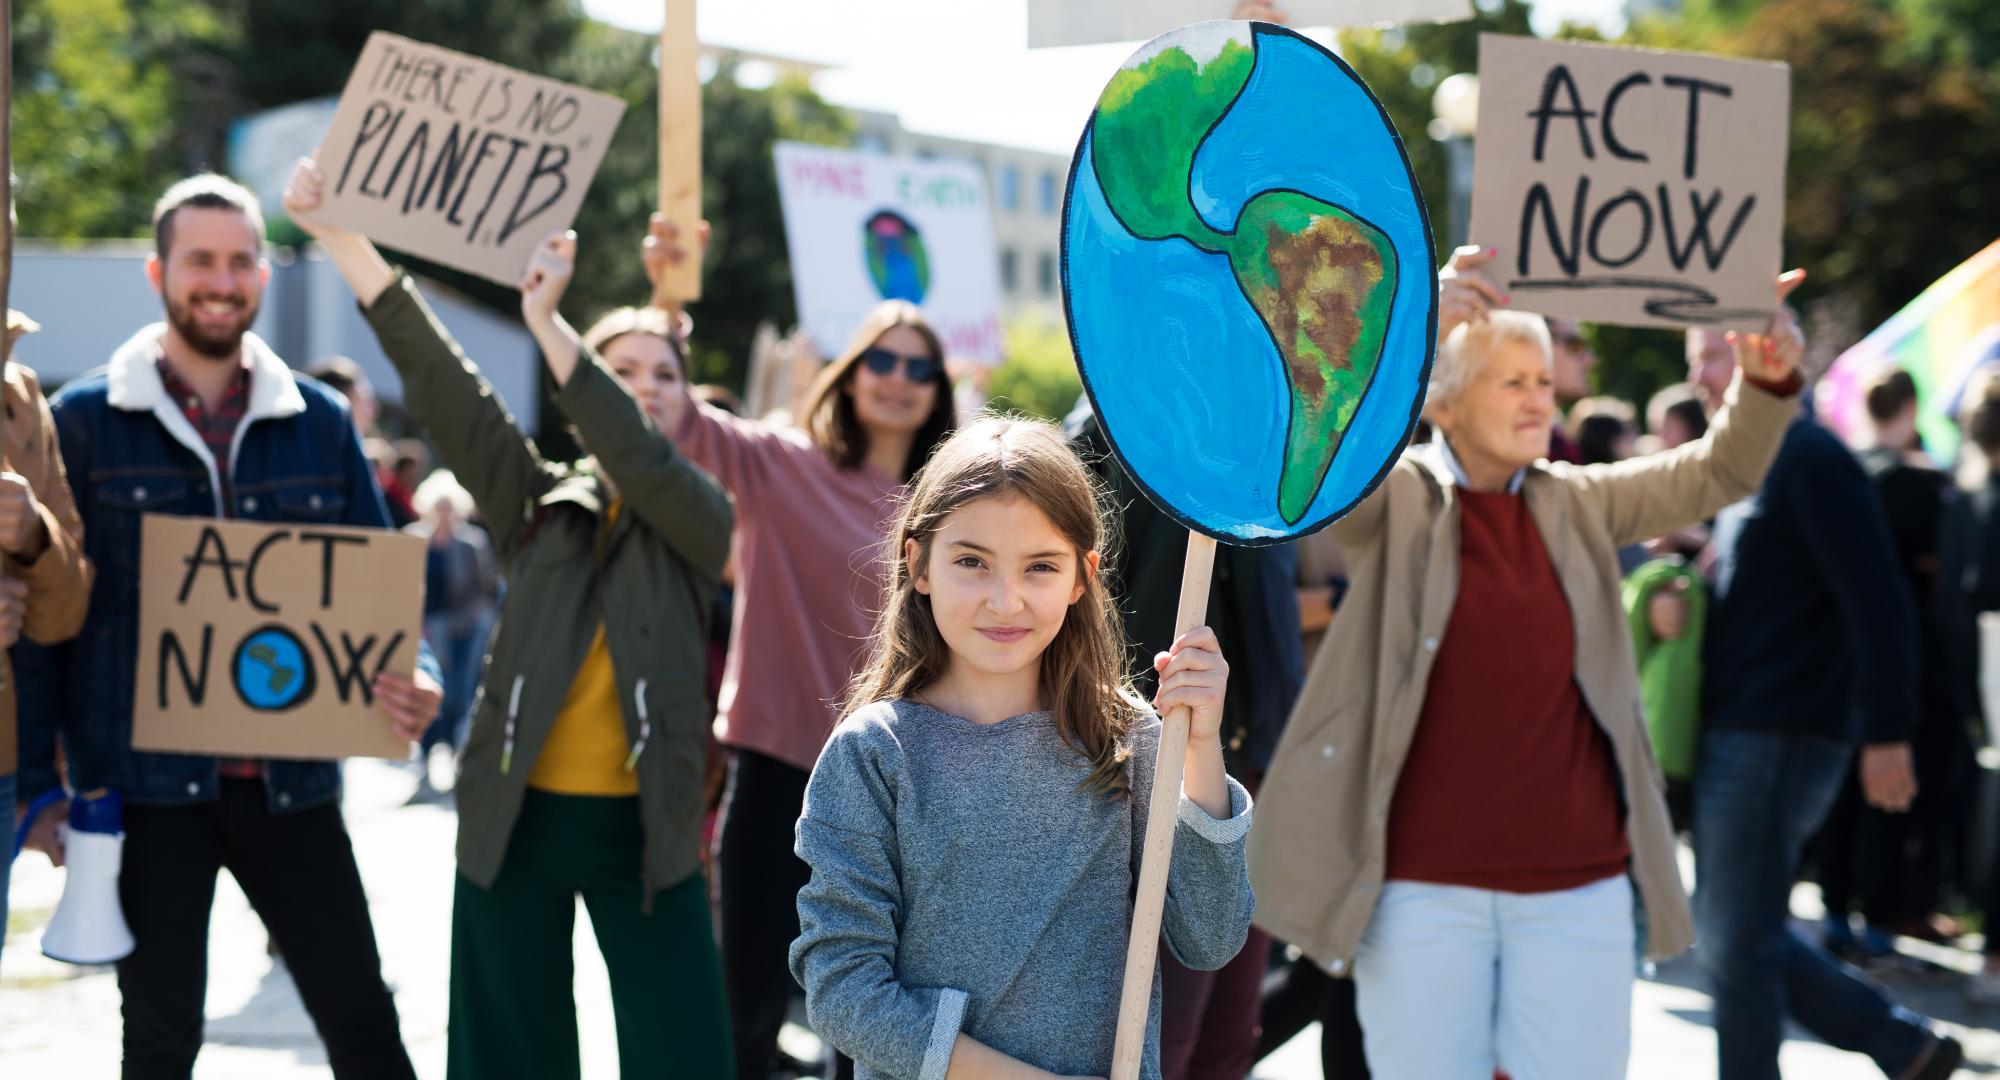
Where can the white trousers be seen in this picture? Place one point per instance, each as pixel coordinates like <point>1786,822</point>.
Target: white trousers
<point>1452,981</point>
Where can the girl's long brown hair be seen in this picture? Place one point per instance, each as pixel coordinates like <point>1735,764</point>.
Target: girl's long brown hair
<point>829,417</point>
<point>1083,681</point>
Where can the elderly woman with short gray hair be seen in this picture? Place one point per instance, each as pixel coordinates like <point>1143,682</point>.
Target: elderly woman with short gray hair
<point>1464,804</point>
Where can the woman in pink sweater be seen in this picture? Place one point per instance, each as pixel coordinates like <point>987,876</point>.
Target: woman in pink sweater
<point>813,505</point>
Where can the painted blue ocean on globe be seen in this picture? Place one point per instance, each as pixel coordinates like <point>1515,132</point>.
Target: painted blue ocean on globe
<point>1184,372</point>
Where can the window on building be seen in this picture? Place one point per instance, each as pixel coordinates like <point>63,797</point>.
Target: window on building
<point>1010,188</point>
<point>1045,274</point>
<point>1010,269</point>
<point>1049,198</point>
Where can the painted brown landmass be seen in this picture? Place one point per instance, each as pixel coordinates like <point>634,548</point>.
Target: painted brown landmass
<point>1321,280</point>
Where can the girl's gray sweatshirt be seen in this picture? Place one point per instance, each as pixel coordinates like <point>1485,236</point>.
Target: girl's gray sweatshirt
<point>962,881</point>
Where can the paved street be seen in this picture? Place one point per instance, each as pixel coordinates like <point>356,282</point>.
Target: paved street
<point>57,1022</point>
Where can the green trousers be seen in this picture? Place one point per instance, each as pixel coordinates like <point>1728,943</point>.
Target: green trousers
<point>513,1008</point>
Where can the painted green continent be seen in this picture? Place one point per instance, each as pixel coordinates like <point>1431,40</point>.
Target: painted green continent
<point>1150,122</point>
<point>1319,278</point>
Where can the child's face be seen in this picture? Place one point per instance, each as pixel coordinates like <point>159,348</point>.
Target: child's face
<point>1001,578</point>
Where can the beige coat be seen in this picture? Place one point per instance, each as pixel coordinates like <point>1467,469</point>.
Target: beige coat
<point>59,579</point>
<point>1317,845</point>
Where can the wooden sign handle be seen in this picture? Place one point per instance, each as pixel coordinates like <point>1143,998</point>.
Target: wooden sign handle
<point>1161,815</point>
<point>680,150</point>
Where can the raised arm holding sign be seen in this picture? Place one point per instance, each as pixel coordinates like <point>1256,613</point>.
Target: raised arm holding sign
<point>588,739</point>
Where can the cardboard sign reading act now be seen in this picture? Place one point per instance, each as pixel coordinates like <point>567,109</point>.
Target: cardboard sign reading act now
<point>265,640</point>
<point>457,159</point>
<point>1631,185</point>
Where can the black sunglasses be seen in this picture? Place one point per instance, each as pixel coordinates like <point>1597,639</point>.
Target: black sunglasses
<point>918,369</point>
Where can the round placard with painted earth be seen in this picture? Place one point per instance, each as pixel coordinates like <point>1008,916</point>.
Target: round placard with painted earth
<point>272,670</point>
<point>1248,272</point>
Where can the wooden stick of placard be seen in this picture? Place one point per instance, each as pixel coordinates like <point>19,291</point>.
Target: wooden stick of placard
<point>1143,950</point>
<point>680,150</point>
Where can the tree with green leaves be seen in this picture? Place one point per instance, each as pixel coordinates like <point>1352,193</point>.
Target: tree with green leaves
<point>1403,66</point>
<point>94,105</point>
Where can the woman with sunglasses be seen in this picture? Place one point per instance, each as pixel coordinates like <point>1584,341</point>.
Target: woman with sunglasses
<point>812,506</point>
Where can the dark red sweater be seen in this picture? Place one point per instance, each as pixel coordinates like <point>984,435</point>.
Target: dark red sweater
<point>1510,784</point>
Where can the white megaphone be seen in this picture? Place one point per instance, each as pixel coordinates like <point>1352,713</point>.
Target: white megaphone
<point>89,924</point>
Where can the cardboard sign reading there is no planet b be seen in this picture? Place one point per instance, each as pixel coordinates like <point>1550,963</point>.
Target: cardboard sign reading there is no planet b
<point>1631,186</point>
<point>265,640</point>
<point>457,159</point>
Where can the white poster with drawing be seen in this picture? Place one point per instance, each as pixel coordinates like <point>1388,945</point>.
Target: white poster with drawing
<point>864,228</point>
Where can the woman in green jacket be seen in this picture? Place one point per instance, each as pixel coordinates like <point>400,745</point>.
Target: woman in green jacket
<point>582,774</point>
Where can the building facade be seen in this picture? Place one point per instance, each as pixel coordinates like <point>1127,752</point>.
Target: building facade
<point>1027,189</point>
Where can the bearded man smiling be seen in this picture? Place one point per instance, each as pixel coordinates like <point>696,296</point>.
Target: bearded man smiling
<point>199,417</point>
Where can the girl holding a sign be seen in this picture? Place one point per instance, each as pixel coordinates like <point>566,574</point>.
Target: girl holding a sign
<point>1465,804</point>
<point>582,774</point>
<point>973,825</point>
<point>811,509</point>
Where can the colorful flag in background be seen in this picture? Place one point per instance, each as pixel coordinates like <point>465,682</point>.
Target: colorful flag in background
<point>1947,334</point>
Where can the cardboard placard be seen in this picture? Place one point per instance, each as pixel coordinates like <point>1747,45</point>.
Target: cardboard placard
<point>863,228</point>
<point>1632,186</point>
<point>1091,22</point>
<point>264,640</point>
<point>460,160</point>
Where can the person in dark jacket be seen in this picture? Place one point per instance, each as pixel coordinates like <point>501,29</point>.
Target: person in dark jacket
<point>1889,868</point>
<point>198,417</point>
<point>1969,587</point>
<point>582,775</point>
<point>1209,1019</point>
<point>1809,653</point>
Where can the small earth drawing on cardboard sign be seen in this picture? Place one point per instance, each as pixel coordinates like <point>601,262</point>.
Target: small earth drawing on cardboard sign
<point>272,671</point>
<point>1247,271</point>
<point>898,264</point>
